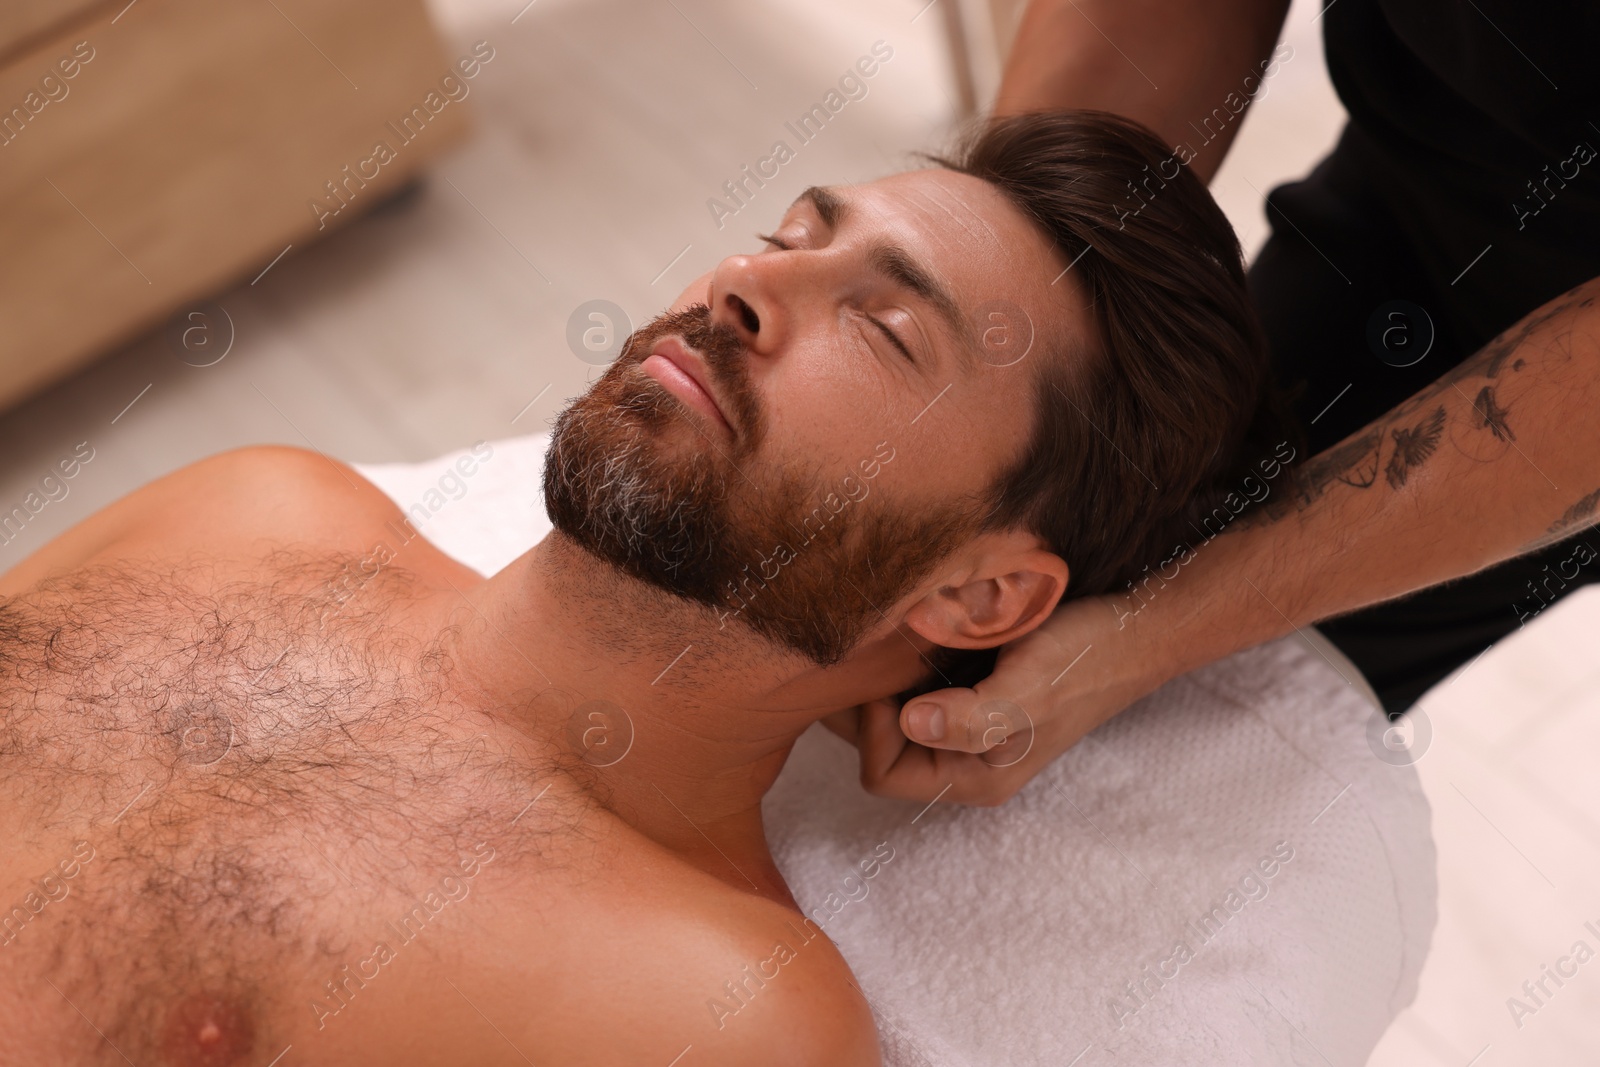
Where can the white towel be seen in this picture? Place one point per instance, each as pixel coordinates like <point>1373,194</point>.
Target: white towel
<point>1116,910</point>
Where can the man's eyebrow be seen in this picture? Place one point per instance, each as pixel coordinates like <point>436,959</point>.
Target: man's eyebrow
<point>824,202</point>
<point>894,263</point>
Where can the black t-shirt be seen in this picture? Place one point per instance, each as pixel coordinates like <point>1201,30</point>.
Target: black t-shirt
<point>1477,122</point>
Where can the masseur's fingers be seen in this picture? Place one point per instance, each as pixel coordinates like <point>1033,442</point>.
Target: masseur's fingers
<point>846,723</point>
<point>1012,700</point>
<point>893,766</point>
<point>880,741</point>
<point>981,745</point>
<point>1024,691</point>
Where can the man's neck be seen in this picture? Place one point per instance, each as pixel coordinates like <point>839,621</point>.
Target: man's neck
<point>705,714</point>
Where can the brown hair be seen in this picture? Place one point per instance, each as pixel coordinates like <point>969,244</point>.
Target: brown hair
<point>1140,439</point>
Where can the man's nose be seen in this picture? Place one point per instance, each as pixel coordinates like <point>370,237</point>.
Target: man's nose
<point>742,296</point>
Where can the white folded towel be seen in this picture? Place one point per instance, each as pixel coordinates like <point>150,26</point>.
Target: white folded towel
<point>1223,874</point>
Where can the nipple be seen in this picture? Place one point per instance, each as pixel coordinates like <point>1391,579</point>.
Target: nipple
<point>205,1030</point>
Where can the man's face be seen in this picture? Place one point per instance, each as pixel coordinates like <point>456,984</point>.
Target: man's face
<point>810,430</point>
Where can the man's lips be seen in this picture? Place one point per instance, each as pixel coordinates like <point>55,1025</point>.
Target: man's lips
<point>681,372</point>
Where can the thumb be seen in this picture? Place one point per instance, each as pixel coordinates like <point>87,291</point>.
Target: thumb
<point>966,720</point>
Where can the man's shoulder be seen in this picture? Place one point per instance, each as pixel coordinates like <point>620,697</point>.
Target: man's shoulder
<point>768,985</point>
<point>272,488</point>
<point>231,502</point>
<point>736,976</point>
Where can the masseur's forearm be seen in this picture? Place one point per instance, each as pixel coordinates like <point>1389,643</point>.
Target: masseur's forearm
<point>1166,64</point>
<point>1499,457</point>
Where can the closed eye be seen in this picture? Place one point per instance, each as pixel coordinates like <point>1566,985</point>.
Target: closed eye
<point>894,340</point>
<point>784,246</point>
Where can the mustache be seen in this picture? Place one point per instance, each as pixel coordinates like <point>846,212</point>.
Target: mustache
<point>720,345</point>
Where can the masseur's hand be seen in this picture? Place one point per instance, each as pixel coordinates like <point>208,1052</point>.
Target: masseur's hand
<point>1089,661</point>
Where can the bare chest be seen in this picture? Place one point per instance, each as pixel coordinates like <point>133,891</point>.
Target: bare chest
<point>233,822</point>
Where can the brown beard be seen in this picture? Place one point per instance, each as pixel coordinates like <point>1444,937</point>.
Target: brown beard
<point>787,554</point>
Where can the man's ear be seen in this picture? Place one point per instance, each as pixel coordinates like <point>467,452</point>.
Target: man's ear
<point>1007,595</point>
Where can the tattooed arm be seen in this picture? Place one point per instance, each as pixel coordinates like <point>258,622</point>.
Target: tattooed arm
<point>1495,459</point>
<point>1499,457</point>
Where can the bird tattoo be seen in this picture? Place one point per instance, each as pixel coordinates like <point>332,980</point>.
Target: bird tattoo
<point>1412,447</point>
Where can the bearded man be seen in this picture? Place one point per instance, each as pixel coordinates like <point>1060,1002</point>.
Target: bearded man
<point>283,783</point>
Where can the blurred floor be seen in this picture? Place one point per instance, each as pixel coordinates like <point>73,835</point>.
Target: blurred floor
<point>604,129</point>
<point>1510,772</point>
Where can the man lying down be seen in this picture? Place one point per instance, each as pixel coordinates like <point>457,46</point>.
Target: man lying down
<point>282,784</point>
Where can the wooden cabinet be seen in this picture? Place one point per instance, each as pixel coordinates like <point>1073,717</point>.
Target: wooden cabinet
<point>152,153</point>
